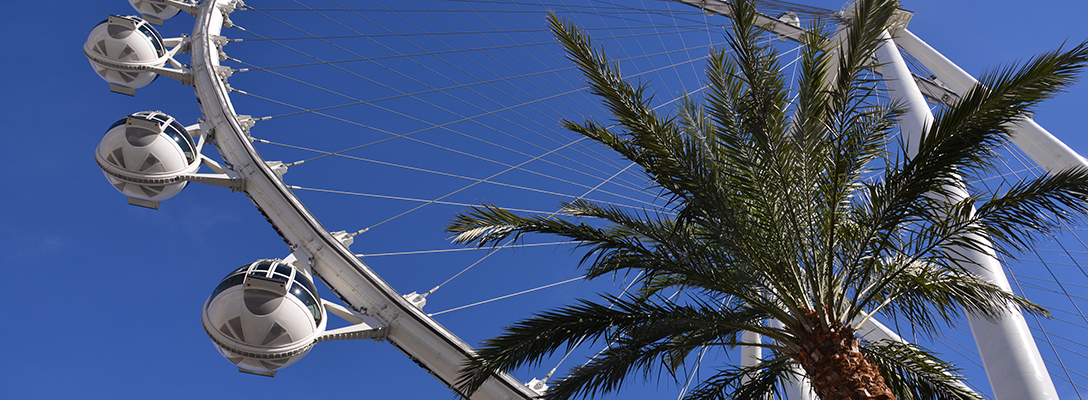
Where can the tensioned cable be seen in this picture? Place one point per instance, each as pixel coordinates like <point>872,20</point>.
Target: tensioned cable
<point>424,201</point>
<point>965,353</point>
<point>584,150</point>
<point>703,27</point>
<point>504,245</point>
<point>582,339</point>
<point>473,184</point>
<point>1038,322</point>
<point>374,10</point>
<point>446,174</point>
<point>507,296</point>
<point>452,150</point>
<point>1046,337</point>
<point>452,51</point>
<point>458,249</point>
<point>325,154</point>
<point>489,254</point>
<point>342,95</point>
<point>442,126</point>
<point>484,68</point>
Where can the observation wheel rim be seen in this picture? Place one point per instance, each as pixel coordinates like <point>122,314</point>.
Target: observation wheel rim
<point>305,235</point>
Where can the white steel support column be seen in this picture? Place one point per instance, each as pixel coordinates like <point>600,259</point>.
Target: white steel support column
<point>750,355</point>
<point>1038,144</point>
<point>795,389</point>
<point>1012,361</point>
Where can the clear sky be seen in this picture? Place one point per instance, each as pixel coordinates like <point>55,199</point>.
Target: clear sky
<point>103,299</point>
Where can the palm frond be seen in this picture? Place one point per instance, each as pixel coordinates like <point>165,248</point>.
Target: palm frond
<point>640,332</point>
<point>914,373</point>
<point>746,383</point>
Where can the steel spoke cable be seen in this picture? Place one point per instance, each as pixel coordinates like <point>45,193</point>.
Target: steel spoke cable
<point>516,167</point>
<point>533,55</point>
<point>1058,263</point>
<point>500,247</point>
<point>475,78</point>
<point>396,136</point>
<point>1049,290</point>
<point>1016,282</point>
<point>507,296</point>
<point>1052,280</point>
<point>1038,322</point>
<point>457,249</point>
<point>406,136</point>
<point>592,153</point>
<point>390,197</point>
<point>1071,341</point>
<point>570,350</point>
<point>305,110</point>
<point>409,116</point>
<point>477,182</point>
<point>381,196</point>
<point>296,50</point>
<point>968,354</point>
<point>393,70</point>
<point>375,10</point>
<point>451,175</point>
<point>695,28</point>
<point>437,52</point>
<point>1046,335</point>
<point>515,111</point>
<point>508,242</point>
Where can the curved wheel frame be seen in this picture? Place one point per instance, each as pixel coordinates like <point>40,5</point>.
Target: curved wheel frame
<point>426,342</point>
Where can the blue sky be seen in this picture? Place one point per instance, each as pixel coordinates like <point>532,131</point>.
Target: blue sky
<point>104,298</point>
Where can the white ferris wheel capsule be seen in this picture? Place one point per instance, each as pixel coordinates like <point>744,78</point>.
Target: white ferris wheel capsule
<point>264,316</point>
<point>153,11</point>
<point>267,315</point>
<point>125,41</point>
<point>150,157</point>
<point>129,54</point>
<point>144,156</point>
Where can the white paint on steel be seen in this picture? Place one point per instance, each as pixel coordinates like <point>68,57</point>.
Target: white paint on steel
<point>750,355</point>
<point>798,388</point>
<point>1012,361</point>
<point>1038,144</point>
<point>425,341</point>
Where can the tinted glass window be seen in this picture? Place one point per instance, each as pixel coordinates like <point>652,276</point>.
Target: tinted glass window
<point>156,40</point>
<point>283,269</point>
<point>231,281</point>
<point>182,138</point>
<point>261,268</point>
<point>309,300</point>
<point>300,277</point>
<point>116,124</point>
<point>240,270</point>
<point>279,277</point>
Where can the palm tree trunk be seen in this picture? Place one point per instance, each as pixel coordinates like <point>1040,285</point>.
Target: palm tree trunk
<point>831,357</point>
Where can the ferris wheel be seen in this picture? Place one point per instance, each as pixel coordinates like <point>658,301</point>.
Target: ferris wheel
<point>357,131</point>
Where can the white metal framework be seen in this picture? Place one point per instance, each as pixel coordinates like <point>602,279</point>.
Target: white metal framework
<point>1014,366</point>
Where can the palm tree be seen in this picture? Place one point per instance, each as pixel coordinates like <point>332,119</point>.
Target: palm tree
<point>798,210</point>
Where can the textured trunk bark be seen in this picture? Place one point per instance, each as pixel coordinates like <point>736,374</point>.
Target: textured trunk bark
<point>833,361</point>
